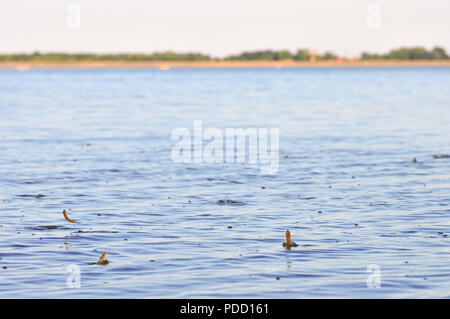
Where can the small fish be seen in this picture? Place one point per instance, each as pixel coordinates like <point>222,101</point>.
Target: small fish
<point>67,217</point>
<point>289,243</point>
<point>104,259</point>
<point>438,156</point>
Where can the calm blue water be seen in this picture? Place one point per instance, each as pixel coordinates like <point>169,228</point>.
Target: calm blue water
<point>349,135</point>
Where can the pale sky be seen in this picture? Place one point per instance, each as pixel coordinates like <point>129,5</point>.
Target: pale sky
<point>221,27</point>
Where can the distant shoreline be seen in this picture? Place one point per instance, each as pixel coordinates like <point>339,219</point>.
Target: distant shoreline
<point>165,65</point>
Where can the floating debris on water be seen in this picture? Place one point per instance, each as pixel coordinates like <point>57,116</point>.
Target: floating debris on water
<point>35,196</point>
<point>47,227</point>
<point>67,217</point>
<point>289,243</point>
<point>414,160</point>
<point>229,202</point>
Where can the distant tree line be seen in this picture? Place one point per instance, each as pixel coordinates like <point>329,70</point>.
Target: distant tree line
<point>415,53</point>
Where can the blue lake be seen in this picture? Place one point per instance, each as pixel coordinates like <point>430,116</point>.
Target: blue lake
<point>97,142</point>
